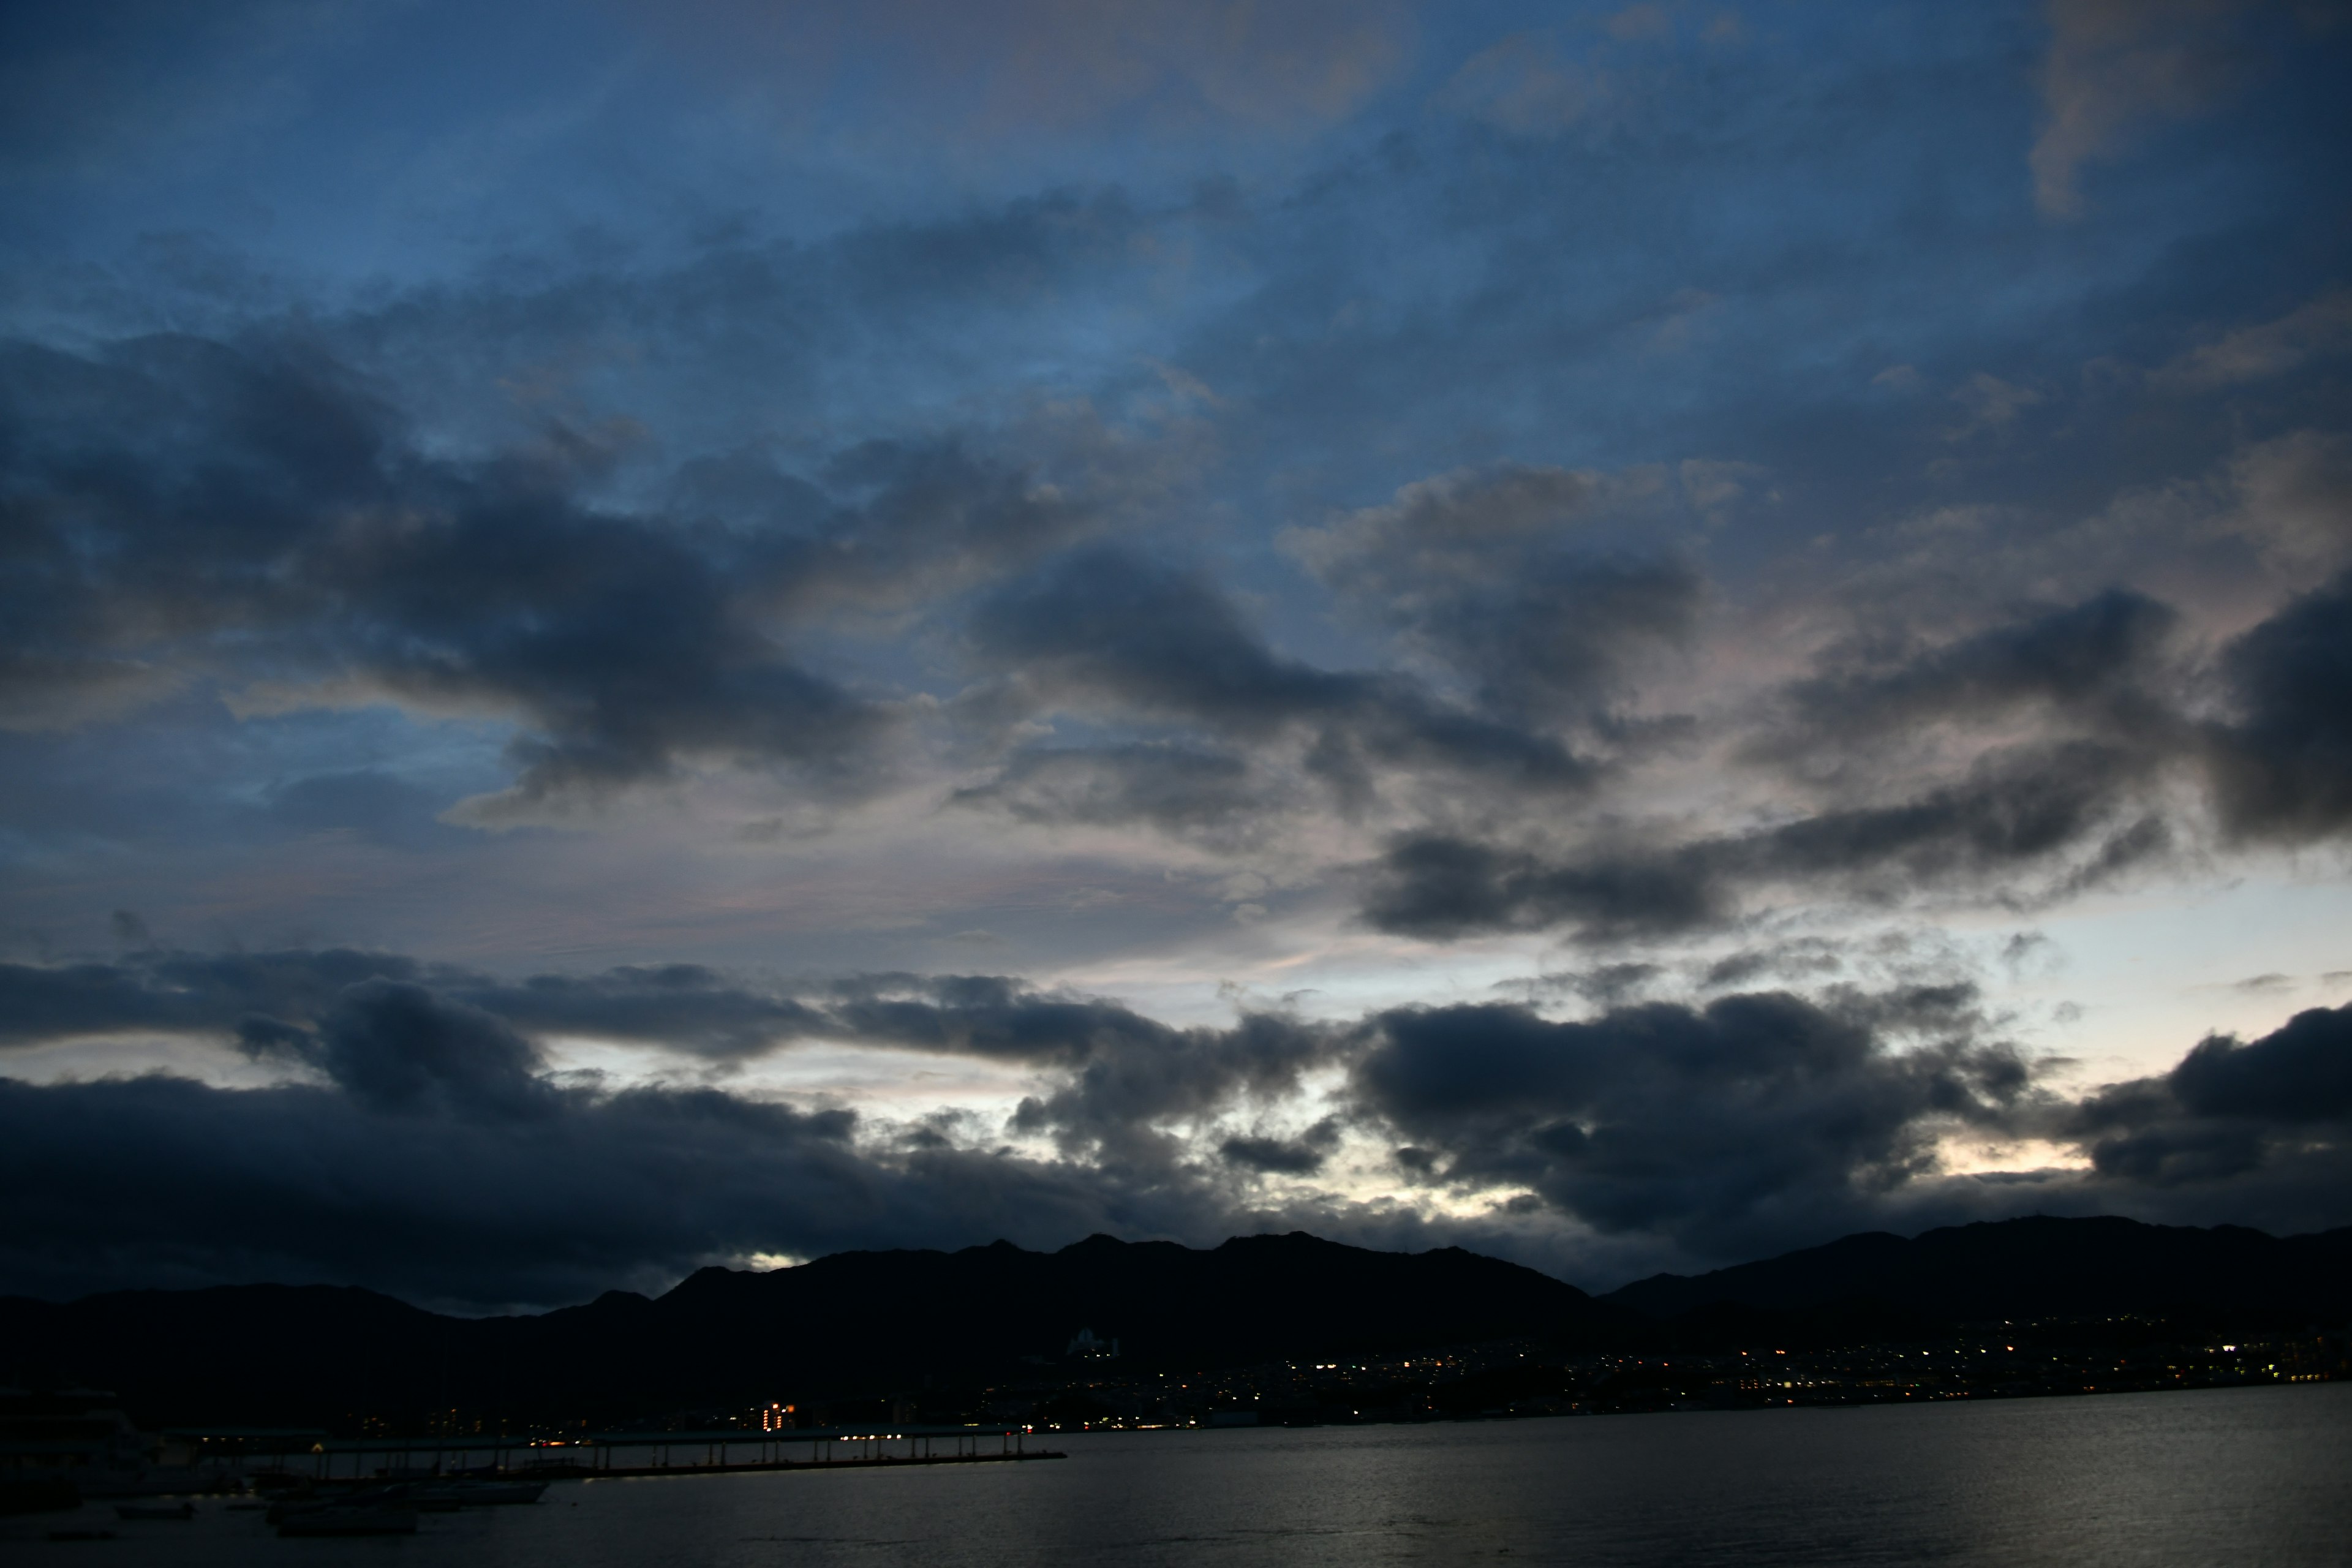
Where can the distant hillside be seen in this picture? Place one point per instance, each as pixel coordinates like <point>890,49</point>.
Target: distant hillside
<point>2036,1267</point>
<point>857,1323</point>
<point>860,1324</point>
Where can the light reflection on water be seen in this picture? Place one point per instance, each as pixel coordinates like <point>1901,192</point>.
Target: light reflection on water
<point>2237,1476</point>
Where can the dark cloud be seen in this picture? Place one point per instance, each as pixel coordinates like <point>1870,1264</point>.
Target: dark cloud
<point>2025,820</point>
<point>1437,886</point>
<point>399,1034</point>
<point>1129,640</point>
<point>2094,664</point>
<point>185,992</point>
<point>2101,694</point>
<point>1304,1155</point>
<point>1719,1124</point>
<point>254,514</point>
<point>2016,808</point>
<point>1159,641</point>
<point>2273,1116</point>
<point>393,1046</point>
<point>332,1010</point>
<point>2036,816</point>
<point>432,1153</point>
<point>897,520</point>
<point>1118,1102</point>
<point>1491,575</point>
<point>2300,1072</point>
<point>154,1181</point>
<point>437,1155</point>
<point>273,997</point>
<point>1117,1079</point>
<point>2282,769</point>
<point>640,489</point>
<point>683,1007</point>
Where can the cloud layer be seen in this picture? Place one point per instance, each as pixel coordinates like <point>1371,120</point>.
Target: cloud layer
<point>1631,633</point>
<point>419,1141</point>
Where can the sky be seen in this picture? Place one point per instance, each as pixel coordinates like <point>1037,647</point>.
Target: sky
<point>1629,636</point>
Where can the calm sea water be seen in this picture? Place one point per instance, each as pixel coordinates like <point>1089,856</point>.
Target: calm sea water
<point>2238,1477</point>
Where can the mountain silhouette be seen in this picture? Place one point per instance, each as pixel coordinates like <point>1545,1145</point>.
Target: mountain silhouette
<point>848,1323</point>
<point>2033,1267</point>
<point>860,1325</point>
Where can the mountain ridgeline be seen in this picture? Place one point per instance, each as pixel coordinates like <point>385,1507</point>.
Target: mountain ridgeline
<point>2036,1267</point>
<point>862,1323</point>
<point>852,1324</point>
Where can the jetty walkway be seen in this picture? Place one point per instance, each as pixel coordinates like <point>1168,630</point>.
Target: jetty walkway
<point>349,1461</point>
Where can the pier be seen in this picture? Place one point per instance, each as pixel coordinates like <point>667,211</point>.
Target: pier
<point>724,1451</point>
<point>361,1461</point>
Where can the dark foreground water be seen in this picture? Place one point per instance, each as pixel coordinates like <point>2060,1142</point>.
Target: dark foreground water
<point>2238,1477</point>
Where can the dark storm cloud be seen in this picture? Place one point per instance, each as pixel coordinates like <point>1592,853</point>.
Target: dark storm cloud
<point>555,432</point>
<point>2236,1132</point>
<point>1437,886</point>
<point>272,998</point>
<point>2282,769</point>
<point>1304,1155</point>
<point>435,1098</point>
<point>159,1180</point>
<point>2280,1107</point>
<point>2091,663</point>
<point>2096,690</point>
<point>2065,810</point>
<point>1165,642</point>
<point>393,1046</point>
<point>251,513</point>
<point>437,1156</point>
<point>1141,642</point>
<point>1717,1123</point>
<point>1117,1101</point>
<point>188,991</point>
<point>683,1007</point>
<point>1493,575</point>
<point>2300,1072</point>
<point>986,1015</point>
<point>398,1034</point>
<point>2017,807</point>
<point>1118,1075</point>
<point>330,1009</point>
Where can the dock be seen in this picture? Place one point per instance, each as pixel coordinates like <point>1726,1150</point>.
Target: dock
<point>614,1456</point>
<point>722,1452</point>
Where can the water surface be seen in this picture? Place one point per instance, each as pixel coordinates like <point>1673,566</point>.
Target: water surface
<point>2228,1476</point>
